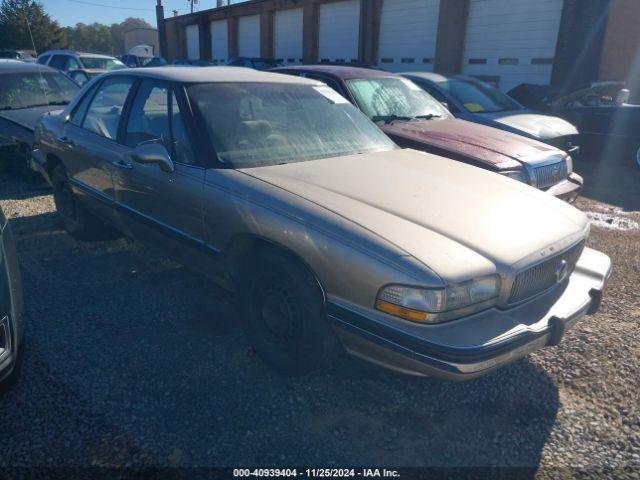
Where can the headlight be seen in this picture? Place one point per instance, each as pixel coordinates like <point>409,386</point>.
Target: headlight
<point>520,175</point>
<point>427,305</point>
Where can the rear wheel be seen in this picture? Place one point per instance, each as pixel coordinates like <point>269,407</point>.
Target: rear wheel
<point>283,315</point>
<point>76,220</point>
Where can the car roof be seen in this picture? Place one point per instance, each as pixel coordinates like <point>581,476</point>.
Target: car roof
<point>73,52</point>
<point>16,66</point>
<point>341,71</point>
<point>210,74</point>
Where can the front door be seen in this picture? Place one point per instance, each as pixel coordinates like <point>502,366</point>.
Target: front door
<point>155,205</point>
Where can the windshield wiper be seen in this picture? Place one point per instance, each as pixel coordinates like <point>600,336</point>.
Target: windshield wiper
<point>428,116</point>
<point>390,118</point>
<point>7,107</point>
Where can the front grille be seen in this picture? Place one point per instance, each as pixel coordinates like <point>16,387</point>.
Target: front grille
<point>542,276</point>
<point>549,175</point>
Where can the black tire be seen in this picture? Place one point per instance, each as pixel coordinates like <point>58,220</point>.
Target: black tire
<point>76,220</point>
<point>283,315</point>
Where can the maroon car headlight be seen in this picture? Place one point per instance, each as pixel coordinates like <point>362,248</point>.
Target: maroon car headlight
<point>433,305</point>
<point>519,175</point>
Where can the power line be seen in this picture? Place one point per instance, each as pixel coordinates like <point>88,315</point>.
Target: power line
<point>83,2</point>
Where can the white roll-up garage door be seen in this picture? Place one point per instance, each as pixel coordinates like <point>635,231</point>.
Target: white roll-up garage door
<point>193,42</point>
<point>408,32</point>
<point>249,36</point>
<point>288,36</point>
<point>339,31</point>
<point>510,42</point>
<point>219,42</point>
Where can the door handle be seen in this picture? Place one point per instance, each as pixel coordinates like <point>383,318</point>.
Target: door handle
<point>122,164</point>
<point>65,140</point>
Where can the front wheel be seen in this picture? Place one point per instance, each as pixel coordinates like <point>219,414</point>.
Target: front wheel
<point>283,315</point>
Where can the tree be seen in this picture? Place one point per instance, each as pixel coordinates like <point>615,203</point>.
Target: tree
<point>119,29</point>
<point>18,17</point>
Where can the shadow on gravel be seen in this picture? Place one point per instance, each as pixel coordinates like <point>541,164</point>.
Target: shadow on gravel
<point>16,186</point>
<point>131,360</point>
<point>611,176</point>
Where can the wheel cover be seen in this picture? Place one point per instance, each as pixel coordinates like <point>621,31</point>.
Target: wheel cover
<point>276,309</point>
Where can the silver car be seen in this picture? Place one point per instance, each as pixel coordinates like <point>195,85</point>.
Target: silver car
<point>11,310</point>
<point>329,235</point>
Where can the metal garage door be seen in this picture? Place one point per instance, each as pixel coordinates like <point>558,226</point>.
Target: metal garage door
<point>512,41</point>
<point>339,31</point>
<point>249,36</point>
<point>288,35</point>
<point>219,41</point>
<point>193,42</point>
<point>408,31</point>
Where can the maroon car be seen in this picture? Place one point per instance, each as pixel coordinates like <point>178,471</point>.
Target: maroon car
<point>414,119</point>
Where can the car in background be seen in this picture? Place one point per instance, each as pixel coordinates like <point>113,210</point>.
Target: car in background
<point>256,63</point>
<point>607,114</point>
<point>21,55</point>
<point>135,61</point>
<point>79,66</point>
<point>11,308</point>
<point>476,101</point>
<point>28,91</point>
<point>330,235</point>
<point>414,119</point>
<point>185,62</point>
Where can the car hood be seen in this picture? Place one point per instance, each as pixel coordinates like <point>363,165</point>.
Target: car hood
<point>28,117</point>
<point>491,146</point>
<point>445,214</point>
<point>537,124</point>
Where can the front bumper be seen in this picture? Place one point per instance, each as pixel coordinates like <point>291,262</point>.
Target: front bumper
<point>473,346</point>
<point>569,189</point>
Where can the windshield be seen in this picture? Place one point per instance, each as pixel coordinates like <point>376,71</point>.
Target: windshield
<point>258,124</point>
<point>479,97</point>
<point>395,98</point>
<point>100,63</point>
<point>19,90</point>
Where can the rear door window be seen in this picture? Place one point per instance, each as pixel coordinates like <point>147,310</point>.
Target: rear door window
<point>103,115</point>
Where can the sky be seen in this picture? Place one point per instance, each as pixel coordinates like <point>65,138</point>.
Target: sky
<point>70,12</point>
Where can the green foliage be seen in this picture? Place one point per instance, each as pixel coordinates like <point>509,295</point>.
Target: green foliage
<point>47,33</point>
<point>98,37</point>
<point>15,15</point>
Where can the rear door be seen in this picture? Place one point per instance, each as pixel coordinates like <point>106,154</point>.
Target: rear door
<point>89,146</point>
<point>162,207</point>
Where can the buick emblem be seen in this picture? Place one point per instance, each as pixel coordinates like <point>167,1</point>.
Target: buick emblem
<point>555,170</point>
<point>561,272</point>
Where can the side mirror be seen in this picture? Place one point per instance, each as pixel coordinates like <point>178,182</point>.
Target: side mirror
<point>623,96</point>
<point>153,153</point>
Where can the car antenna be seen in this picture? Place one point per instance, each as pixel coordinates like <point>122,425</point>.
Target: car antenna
<point>35,50</point>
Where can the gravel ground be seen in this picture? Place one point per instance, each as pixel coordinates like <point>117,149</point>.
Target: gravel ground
<point>131,360</point>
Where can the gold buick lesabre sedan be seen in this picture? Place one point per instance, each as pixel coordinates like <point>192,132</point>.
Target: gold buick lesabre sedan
<point>330,236</point>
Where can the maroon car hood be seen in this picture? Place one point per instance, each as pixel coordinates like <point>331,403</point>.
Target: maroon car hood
<point>461,138</point>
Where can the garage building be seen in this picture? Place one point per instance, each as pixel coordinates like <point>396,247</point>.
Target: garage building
<point>505,42</point>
